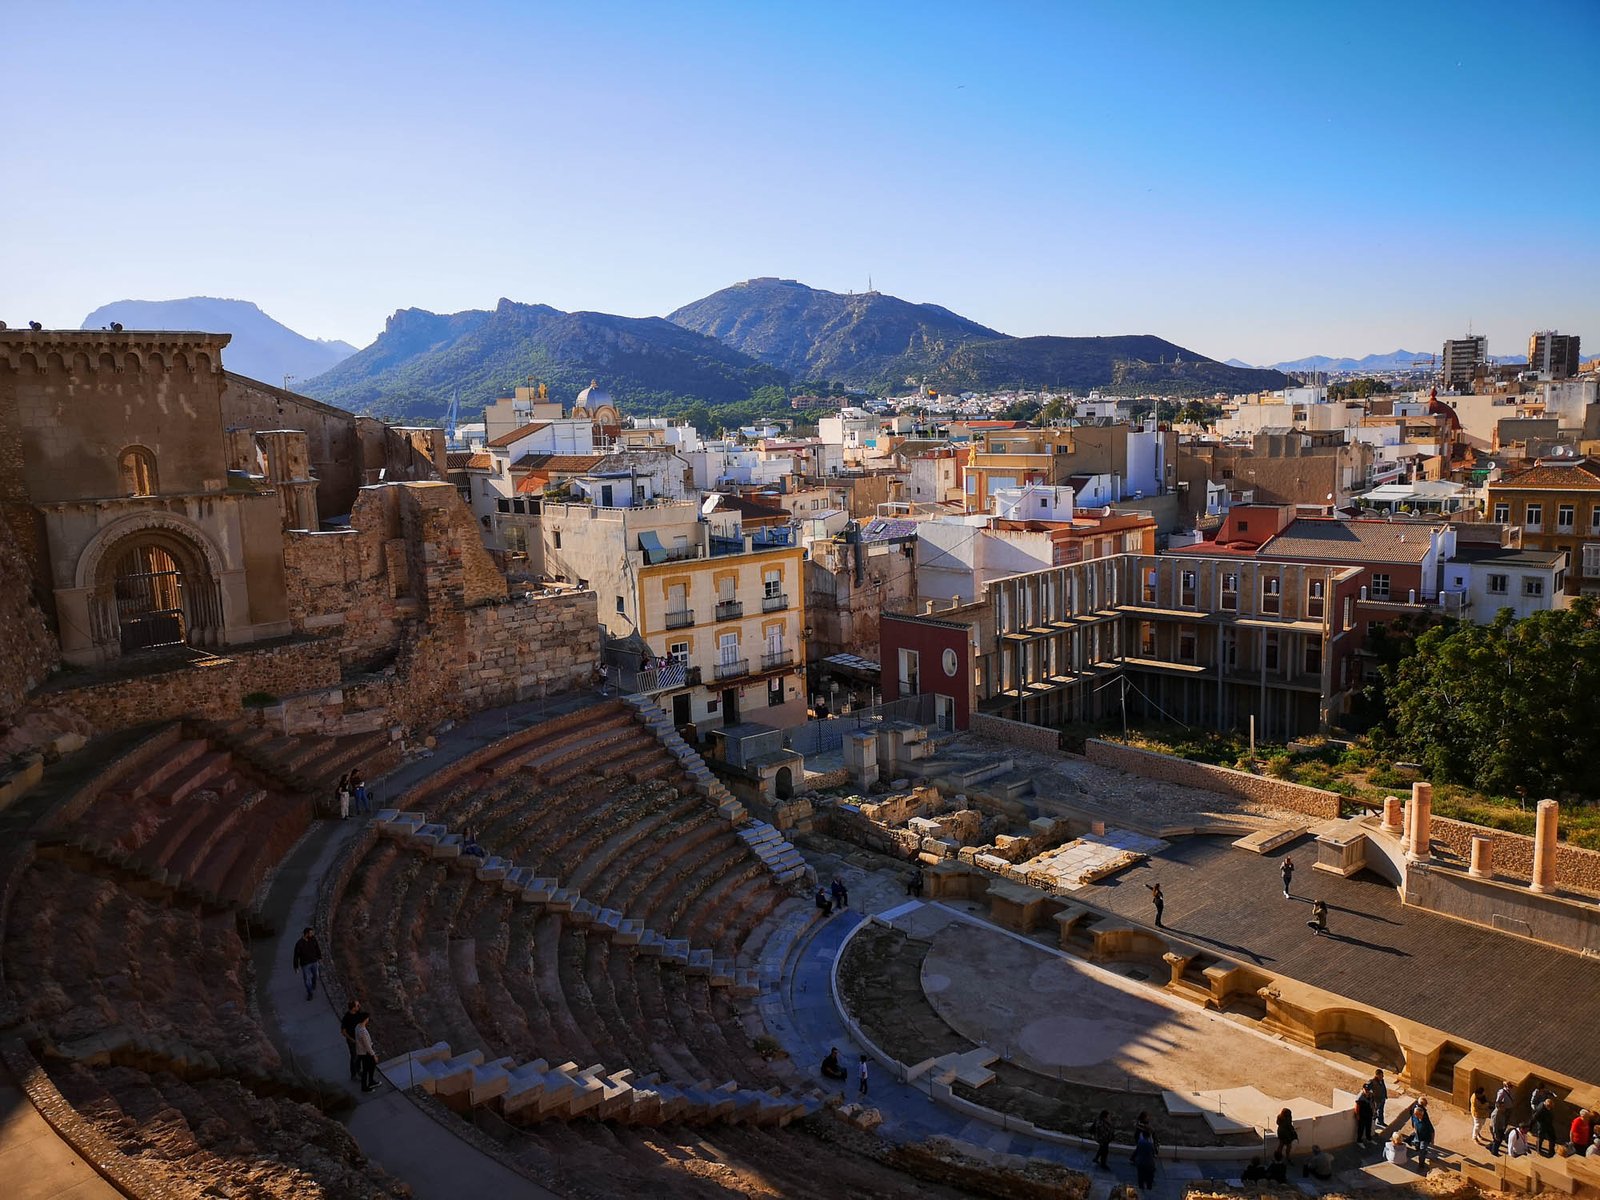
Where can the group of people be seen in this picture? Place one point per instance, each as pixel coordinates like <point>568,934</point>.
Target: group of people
<point>352,789</point>
<point>832,1068</point>
<point>1538,1130</point>
<point>835,895</point>
<point>1319,908</point>
<point>353,1025</point>
<point>1145,1146</point>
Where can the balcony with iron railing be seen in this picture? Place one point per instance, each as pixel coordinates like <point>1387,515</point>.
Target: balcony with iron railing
<point>775,603</point>
<point>681,619</point>
<point>774,659</point>
<point>732,668</point>
<point>730,610</point>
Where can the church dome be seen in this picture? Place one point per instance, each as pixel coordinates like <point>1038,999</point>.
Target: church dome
<point>592,397</point>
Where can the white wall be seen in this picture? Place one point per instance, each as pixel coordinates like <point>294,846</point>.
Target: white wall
<point>1036,502</point>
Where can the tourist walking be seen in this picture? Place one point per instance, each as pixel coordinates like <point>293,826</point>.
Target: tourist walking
<point>368,1055</point>
<point>1286,1134</point>
<point>1319,918</point>
<point>347,1029</point>
<point>1364,1114</point>
<point>1479,1104</point>
<point>1288,875</point>
<point>861,1088</point>
<point>1144,1161</point>
<point>1380,1095</point>
<point>1159,900</point>
<point>1541,1092</point>
<point>344,796</point>
<point>841,897</point>
<point>1102,1132</point>
<point>358,786</point>
<point>307,960</point>
<point>1142,1126</point>
<point>1544,1127</point>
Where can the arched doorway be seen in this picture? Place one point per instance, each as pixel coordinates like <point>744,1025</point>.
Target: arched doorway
<point>154,588</point>
<point>784,783</point>
<point>147,586</point>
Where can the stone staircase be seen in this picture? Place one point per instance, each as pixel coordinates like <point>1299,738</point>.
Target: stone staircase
<point>538,1090</point>
<point>779,856</point>
<point>412,829</point>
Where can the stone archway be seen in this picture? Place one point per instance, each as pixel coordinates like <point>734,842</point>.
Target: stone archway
<point>153,587</point>
<point>783,784</point>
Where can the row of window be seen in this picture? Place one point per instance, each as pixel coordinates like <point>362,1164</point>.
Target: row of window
<point>1500,585</point>
<point>1188,642</point>
<point>1271,592</point>
<point>1533,516</point>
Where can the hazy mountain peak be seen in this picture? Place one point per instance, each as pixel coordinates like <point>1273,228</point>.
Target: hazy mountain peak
<point>262,348</point>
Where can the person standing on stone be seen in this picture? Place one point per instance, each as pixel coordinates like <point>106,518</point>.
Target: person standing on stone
<point>347,1028</point>
<point>1380,1096</point>
<point>1102,1131</point>
<point>307,960</point>
<point>1319,918</point>
<point>1288,875</point>
<point>1544,1128</point>
<point>358,786</point>
<point>1582,1131</point>
<point>1144,1162</point>
<point>841,898</point>
<point>1500,1121</point>
<point>1286,1134</point>
<point>1159,900</point>
<point>1478,1103</point>
<point>1364,1114</point>
<point>368,1055</point>
<point>344,797</point>
<point>1421,1132</point>
<point>861,1088</point>
<point>914,884</point>
<point>1541,1092</point>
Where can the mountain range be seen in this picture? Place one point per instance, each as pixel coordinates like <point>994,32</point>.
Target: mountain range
<point>261,347</point>
<point>1398,360</point>
<point>720,349</point>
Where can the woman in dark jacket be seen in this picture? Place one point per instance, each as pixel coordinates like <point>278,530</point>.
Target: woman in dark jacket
<point>1286,1133</point>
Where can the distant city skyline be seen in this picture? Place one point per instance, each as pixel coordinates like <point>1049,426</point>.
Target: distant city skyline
<point>1250,181</point>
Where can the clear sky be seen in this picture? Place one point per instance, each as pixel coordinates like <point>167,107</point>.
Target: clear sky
<point>1261,180</point>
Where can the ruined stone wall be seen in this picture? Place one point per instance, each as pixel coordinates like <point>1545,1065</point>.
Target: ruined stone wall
<point>330,434</point>
<point>213,689</point>
<point>1513,854</point>
<point>1015,733</point>
<point>1292,797</point>
<point>29,647</point>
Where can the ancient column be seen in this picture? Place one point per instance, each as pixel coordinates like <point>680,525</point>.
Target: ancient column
<point>1393,814</point>
<point>1544,847</point>
<point>1482,858</point>
<point>1421,821</point>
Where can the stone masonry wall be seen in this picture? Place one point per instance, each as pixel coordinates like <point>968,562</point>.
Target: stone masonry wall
<point>28,645</point>
<point>1015,733</point>
<point>1513,854</point>
<point>1293,797</point>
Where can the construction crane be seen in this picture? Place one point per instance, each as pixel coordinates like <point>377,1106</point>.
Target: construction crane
<point>452,421</point>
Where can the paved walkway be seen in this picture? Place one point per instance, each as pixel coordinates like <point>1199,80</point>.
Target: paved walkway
<point>35,1164</point>
<point>392,1130</point>
<point>1492,988</point>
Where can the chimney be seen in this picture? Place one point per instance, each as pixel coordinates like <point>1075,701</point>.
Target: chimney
<point>927,608</point>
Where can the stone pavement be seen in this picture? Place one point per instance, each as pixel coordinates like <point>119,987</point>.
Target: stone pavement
<point>391,1130</point>
<point>1489,987</point>
<point>802,1016</point>
<point>35,1164</point>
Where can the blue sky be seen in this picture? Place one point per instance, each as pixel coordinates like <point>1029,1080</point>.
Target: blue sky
<point>1254,180</point>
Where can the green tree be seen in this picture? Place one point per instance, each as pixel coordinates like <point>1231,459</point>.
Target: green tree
<point>1508,708</point>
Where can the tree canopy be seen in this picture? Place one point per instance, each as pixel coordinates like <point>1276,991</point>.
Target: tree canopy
<point>1510,708</point>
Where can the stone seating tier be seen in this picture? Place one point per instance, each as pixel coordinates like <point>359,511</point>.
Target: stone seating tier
<point>204,1137</point>
<point>539,1090</point>
<point>79,947</point>
<point>528,979</point>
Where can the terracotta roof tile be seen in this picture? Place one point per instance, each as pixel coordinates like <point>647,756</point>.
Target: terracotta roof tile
<point>505,439</point>
<point>1559,475</point>
<point>1313,539</point>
